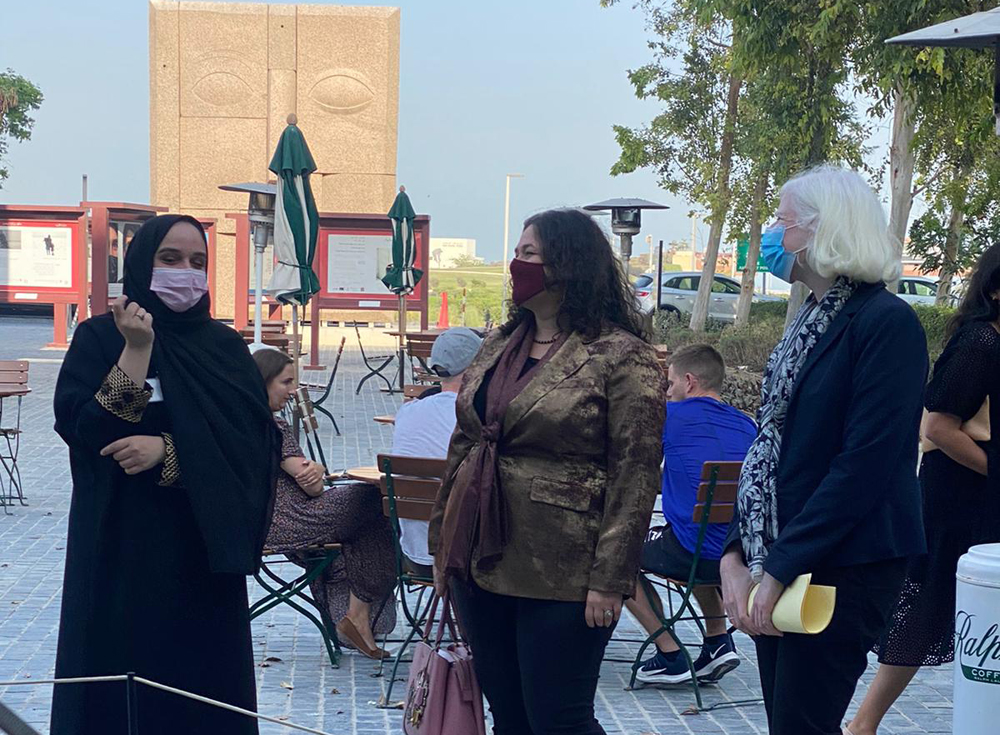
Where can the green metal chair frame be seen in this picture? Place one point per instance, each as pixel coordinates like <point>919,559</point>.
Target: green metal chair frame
<point>412,468</point>
<point>316,560</point>
<point>704,514</point>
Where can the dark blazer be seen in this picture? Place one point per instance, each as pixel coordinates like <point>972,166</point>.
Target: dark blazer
<point>847,475</point>
<point>579,464</point>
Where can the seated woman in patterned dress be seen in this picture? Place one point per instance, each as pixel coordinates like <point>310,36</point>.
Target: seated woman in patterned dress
<point>357,592</point>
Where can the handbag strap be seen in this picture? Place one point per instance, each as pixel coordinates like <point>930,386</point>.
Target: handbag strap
<point>431,612</point>
<point>446,621</point>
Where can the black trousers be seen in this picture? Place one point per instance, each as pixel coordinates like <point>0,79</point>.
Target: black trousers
<point>808,680</point>
<point>537,661</point>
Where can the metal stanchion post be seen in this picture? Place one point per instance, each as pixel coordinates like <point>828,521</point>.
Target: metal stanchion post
<point>131,704</point>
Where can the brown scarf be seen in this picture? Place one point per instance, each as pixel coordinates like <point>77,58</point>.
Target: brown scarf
<point>482,519</point>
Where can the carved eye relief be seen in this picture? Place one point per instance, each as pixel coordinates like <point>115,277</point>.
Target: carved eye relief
<point>221,88</point>
<point>342,92</point>
<point>224,80</point>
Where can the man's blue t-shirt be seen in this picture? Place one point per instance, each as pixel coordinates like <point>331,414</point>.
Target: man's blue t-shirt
<point>699,430</point>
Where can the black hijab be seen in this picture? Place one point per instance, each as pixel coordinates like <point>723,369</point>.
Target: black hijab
<point>226,439</point>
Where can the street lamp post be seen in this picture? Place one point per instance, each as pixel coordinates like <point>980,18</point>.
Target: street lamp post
<point>506,235</point>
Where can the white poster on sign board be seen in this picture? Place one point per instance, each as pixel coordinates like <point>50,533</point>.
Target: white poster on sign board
<point>35,257</point>
<point>356,263</point>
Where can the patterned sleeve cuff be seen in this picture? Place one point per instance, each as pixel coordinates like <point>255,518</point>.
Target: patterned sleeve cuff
<point>171,473</point>
<point>120,395</point>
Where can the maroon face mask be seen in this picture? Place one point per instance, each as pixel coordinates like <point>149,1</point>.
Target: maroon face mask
<point>527,280</point>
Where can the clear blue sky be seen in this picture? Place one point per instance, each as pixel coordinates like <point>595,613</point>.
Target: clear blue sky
<point>486,88</point>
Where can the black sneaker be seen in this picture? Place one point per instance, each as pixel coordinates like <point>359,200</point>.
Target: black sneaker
<point>664,668</point>
<point>718,657</point>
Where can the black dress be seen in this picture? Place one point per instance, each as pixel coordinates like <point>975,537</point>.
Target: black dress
<point>138,593</point>
<point>961,507</point>
<point>156,563</point>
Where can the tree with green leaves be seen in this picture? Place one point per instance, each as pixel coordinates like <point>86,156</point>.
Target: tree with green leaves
<point>959,158</point>
<point>772,147</point>
<point>783,66</point>
<point>690,143</point>
<point>905,80</point>
<point>803,45</point>
<point>18,97</point>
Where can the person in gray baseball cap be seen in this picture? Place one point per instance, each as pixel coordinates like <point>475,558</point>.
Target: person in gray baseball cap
<point>453,351</point>
<point>424,427</point>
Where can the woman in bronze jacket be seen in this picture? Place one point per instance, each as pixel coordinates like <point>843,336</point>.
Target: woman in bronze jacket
<point>552,474</point>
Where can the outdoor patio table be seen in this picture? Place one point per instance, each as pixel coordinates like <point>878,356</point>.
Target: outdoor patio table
<point>370,475</point>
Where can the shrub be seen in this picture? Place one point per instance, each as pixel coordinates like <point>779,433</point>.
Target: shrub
<point>934,320</point>
<point>742,391</point>
<point>671,329</point>
<point>769,310</point>
<point>749,347</point>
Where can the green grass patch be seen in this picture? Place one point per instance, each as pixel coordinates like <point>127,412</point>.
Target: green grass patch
<point>480,286</point>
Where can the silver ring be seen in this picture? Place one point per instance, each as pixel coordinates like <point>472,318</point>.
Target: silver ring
<point>609,613</point>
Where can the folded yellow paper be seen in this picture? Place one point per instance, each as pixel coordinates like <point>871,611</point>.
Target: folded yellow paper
<point>803,607</point>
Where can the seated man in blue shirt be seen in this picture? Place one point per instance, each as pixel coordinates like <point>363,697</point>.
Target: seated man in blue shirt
<point>699,428</point>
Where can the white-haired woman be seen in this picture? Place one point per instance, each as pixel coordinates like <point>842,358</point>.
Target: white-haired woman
<point>829,485</point>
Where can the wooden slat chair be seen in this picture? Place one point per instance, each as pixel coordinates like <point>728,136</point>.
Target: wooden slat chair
<point>418,347</point>
<point>13,387</point>
<point>409,489</point>
<point>413,392</point>
<point>293,592</point>
<point>715,502</point>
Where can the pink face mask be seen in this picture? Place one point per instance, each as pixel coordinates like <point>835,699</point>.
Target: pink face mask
<point>179,288</point>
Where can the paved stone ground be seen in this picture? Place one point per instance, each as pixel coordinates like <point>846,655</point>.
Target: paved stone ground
<point>32,548</point>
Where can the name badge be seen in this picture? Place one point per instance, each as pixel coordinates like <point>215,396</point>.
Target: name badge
<point>154,383</point>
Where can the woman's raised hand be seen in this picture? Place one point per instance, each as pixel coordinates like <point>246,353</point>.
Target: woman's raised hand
<point>134,322</point>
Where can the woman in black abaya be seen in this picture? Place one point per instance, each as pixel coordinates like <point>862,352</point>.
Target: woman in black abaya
<point>174,456</point>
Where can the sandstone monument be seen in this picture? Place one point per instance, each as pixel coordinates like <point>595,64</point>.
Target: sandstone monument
<point>223,78</point>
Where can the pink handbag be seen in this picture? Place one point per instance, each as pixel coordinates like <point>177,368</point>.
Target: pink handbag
<point>443,695</point>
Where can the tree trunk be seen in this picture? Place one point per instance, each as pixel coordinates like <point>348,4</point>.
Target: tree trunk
<point>753,252</point>
<point>901,161</point>
<point>817,86</point>
<point>699,314</point>
<point>949,264</point>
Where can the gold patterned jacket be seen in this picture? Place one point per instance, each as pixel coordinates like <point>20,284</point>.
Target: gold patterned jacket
<point>579,465</point>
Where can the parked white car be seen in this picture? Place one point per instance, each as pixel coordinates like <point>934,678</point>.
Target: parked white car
<point>918,290</point>
<point>678,291</point>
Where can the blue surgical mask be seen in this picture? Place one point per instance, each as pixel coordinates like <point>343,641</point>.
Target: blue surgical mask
<point>779,261</point>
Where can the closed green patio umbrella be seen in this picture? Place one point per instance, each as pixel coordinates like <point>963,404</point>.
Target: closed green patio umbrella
<point>296,227</point>
<point>296,221</point>
<point>401,277</point>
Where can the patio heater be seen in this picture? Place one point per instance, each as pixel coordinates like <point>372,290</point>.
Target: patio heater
<point>260,212</point>
<point>626,220</point>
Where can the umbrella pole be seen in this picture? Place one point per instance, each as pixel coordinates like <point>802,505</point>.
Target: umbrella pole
<point>298,414</point>
<point>402,339</point>
<point>295,342</point>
